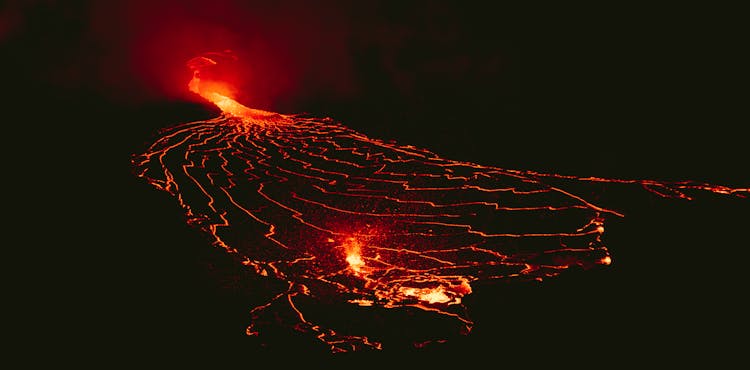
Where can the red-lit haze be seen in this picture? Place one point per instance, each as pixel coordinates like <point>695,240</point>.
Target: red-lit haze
<point>285,51</point>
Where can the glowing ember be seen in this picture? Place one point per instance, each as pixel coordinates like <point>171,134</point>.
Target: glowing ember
<point>333,213</point>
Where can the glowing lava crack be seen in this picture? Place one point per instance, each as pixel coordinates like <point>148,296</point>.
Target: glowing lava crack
<point>333,213</point>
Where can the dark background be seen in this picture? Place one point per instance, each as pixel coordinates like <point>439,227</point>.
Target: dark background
<point>631,92</point>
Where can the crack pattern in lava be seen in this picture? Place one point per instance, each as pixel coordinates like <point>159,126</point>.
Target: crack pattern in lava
<point>337,215</point>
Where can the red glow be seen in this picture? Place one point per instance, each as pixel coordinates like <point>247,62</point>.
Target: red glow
<point>281,58</point>
<point>220,93</point>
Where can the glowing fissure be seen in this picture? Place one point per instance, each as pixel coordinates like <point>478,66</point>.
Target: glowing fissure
<point>327,209</point>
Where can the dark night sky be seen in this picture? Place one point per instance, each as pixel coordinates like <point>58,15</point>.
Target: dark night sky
<point>639,92</point>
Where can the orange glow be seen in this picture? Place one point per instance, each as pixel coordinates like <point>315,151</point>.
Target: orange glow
<point>353,256</point>
<point>362,302</point>
<point>607,260</point>
<point>220,94</point>
<point>213,91</point>
<point>355,261</point>
<point>429,295</point>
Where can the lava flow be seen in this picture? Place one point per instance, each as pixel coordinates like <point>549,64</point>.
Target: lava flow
<point>218,93</point>
<point>336,215</point>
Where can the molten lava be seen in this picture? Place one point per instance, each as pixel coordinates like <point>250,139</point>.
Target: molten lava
<point>353,256</point>
<point>219,93</point>
<point>336,215</point>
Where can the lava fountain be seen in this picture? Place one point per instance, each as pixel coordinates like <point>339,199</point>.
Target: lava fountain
<point>336,215</point>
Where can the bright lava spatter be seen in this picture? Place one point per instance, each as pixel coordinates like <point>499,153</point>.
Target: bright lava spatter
<point>333,213</point>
